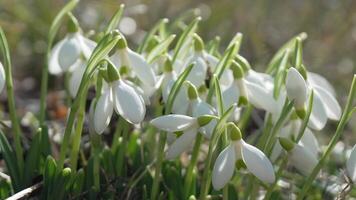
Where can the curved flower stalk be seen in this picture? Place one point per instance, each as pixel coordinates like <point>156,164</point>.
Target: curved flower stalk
<point>186,128</point>
<point>291,131</point>
<point>351,165</point>
<point>134,65</point>
<point>300,156</point>
<point>2,77</point>
<point>120,96</point>
<point>241,154</point>
<point>70,55</point>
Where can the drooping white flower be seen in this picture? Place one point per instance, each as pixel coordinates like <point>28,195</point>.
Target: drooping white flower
<point>250,88</point>
<point>76,77</point>
<point>2,77</point>
<point>325,105</point>
<point>300,156</point>
<point>351,165</point>
<point>291,130</point>
<point>121,97</point>
<point>180,123</point>
<point>67,52</point>
<point>255,160</point>
<point>135,64</point>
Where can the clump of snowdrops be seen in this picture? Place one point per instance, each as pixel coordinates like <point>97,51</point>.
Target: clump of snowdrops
<point>172,119</point>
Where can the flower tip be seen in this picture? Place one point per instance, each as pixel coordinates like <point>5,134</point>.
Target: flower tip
<point>287,144</point>
<point>240,164</point>
<point>122,5</point>
<point>235,133</point>
<point>242,101</point>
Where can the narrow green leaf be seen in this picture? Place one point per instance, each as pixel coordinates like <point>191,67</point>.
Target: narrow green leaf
<point>218,95</point>
<point>114,21</point>
<point>185,38</point>
<point>150,34</point>
<point>176,87</point>
<point>281,74</point>
<point>49,176</point>
<point>33,158</point>
<point>78,182</point>
<point>160,48</point>
<point>10,161</point>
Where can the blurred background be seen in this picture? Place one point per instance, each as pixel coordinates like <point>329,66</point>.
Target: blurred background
<point>330,49</point>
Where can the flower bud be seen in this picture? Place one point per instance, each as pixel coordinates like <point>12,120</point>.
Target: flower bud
<point>235,133</point>
<point>112,72</point>
<point>72,25</point>
<point>198,43</point>
<point>205,119</point>
<point>192,91</point>
<point>287,144</point>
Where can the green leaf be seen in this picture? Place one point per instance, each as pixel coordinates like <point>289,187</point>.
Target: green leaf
<point>273,64</point>
<point>150,34</point>
<point>176,87</point>
<point>160,48</point>
<point>107,160</point>
<point>281,74</point>
<point>78,182</point>
<point>114,21</point>
<point>49,176</point>
<point>218,94</point>
<point>10,161</point>
<point>186,37</point>
<point>33,158</point>
<point>220,126</point>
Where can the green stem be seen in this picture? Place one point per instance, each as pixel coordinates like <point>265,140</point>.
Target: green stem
<point>191,166</point>
<point>333,141</point>
<point>77,137</point>
<point>158,166</point>
<point>11,101</point>
<point>122,148</point>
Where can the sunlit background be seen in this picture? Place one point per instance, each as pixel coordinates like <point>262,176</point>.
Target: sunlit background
<point>330,49</point>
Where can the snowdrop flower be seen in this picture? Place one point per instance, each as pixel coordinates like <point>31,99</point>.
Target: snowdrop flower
<point>2,77</point>
<point>243,90</point>
<point>296,91</point>
<point>325,105</point>
<point>300,156</point>
<point>135,65</point>
<point>197,108</point>
<point>351,165</point>
<point>186,126</point>
<point>240,152</point>
<point>121,97</point>
<point>72,49</point>
<point>291,131</point>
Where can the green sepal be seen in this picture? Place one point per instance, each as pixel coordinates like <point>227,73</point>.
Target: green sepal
<point>287,144</point>
<point>235,133</point>
<point>72,25</point>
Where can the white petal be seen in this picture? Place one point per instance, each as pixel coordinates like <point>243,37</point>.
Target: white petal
<point>351,165</point>
<point>173,122</point>
<point>230,95</point>
<point>296,87</point>
<point>103,111</point>
<point>302,159</point>
<point>2,77</point>
<point>202,108</point>
<point>87,45</point>
<point>332,107</point>
<point>128,103</point>
<point>261,98</point>
<point>76,78</point>
<point>53,64</point>
<point>261,79</point>
<point>69,52</point>
<point>198,74</point>
<point>224,167</point>
<point>257,163</point>
<point>141,68</point>
<point>227,78</point>
<point>181,102</point>
<point>318,117</point>
<point>141,92</point>
<point>318,80</point>
<point>181,144</point>
<point>309,141</point>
